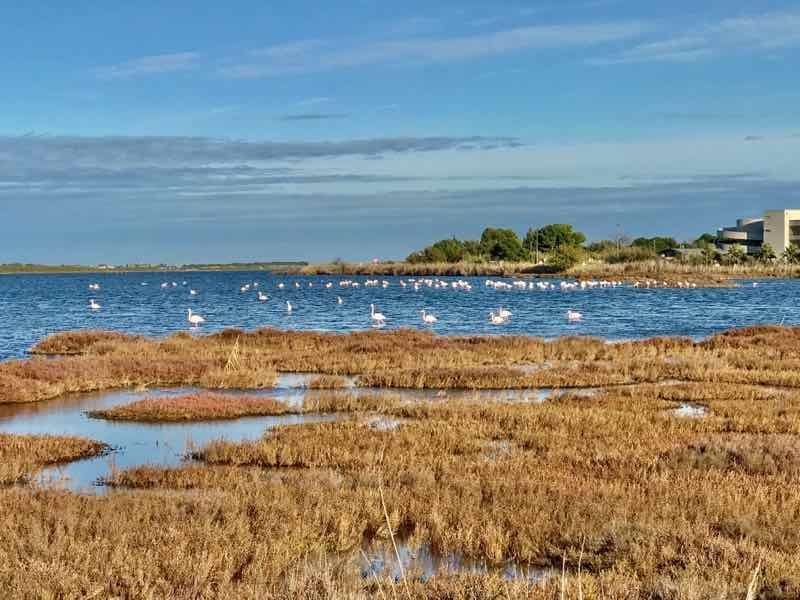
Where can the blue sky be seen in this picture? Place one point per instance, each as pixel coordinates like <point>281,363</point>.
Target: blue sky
<point>205,131</point>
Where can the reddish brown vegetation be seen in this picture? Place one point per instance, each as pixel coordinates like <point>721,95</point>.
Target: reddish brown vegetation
<point>193,407</point>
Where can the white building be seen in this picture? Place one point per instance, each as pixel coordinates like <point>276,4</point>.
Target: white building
<point>778,228</point>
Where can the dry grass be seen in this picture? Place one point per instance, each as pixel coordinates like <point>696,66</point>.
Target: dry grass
<point>670,271</point>
<point>22,455</point>
<point>650,505</point>
<point>674,271</point>
<point>328,382</point>
<point>193,407</point>
<point>403,359</point>
<point>633,501</point>
<point>404,269</point>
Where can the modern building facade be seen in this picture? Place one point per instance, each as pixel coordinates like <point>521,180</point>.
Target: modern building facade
<point>778,228</point>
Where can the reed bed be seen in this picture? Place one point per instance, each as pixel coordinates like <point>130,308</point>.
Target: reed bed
<point>612,493</point>
<point>193,407</point>
<point>404,359</point>
<point>404,269</point>
<point>670,271</point>
<point>631,501</point>
<point>22,455</point>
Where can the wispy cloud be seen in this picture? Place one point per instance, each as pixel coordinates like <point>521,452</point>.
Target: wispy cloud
<point>150,65</point>
<point>313,116</point>
<point>310,56</point>
<point>756,33</point>
<point>126,152</point>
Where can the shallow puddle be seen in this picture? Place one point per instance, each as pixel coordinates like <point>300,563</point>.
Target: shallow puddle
<point>380,559</point>
<point>135,444</point>
<point>690,411</point>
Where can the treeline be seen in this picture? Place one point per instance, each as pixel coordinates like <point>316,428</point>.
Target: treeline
<point>558,244</point>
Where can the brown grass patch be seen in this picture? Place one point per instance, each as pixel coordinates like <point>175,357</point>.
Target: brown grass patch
<point>328,382</point>
<point>193,407</point>
<point>643,503</point>
<point>22,455</point>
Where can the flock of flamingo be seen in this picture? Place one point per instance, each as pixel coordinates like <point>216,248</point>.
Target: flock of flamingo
<point>378,319</point>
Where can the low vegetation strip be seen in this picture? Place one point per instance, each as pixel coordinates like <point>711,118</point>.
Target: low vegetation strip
<point>628,499</point>
<point>22,455</point>
<point>193,407</point>
<point>234,359</point>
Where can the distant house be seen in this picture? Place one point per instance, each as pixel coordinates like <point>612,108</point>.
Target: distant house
<point>778,228</point>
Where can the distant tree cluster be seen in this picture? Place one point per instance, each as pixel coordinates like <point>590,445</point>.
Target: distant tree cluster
<point>560,246</point>
<point>498,244</point>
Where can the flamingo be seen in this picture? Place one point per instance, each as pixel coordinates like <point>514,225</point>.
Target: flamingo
<point>377,318</point>
<point>93,305</point>
<point>289,307</point>
<point>193,319</point>
<point>574,316</point>
<point>496,319</point>
<point>428,319</point>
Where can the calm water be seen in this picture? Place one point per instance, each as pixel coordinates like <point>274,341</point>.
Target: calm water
<point>162,444</point>
<point>32,306</point>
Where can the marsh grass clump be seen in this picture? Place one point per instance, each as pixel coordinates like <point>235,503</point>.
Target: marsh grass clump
<point>22,455</point>
<point>193,407</point>
<point>328,382</point>
<point>78,342</point>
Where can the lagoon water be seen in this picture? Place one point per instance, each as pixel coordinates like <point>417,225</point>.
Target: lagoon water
<point>33,306</point>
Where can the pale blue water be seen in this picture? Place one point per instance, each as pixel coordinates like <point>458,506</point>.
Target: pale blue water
<point>32,306</point>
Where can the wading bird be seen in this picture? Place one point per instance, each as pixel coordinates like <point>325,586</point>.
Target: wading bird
<point>428,319</point>
<point>194,319</point>
<point>496,319</point>
<point>377,318</point>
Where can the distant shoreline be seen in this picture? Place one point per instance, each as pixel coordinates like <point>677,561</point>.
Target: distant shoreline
<point>35,269</point>
<point>661,270</point>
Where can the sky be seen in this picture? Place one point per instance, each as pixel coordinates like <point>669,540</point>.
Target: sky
<point>205,131</point>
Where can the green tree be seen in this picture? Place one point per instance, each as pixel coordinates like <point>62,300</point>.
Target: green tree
<point>704,240</point>
<point>472,250</point>
<point>553,236</point>
<point>502,244</point>
<point>567,256</point>
<point>734,256</point>
<point>709,255</point>
<point>602,246</point>
<point>767,253</point>
<point>792,254</point>
<point>451,250</point>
